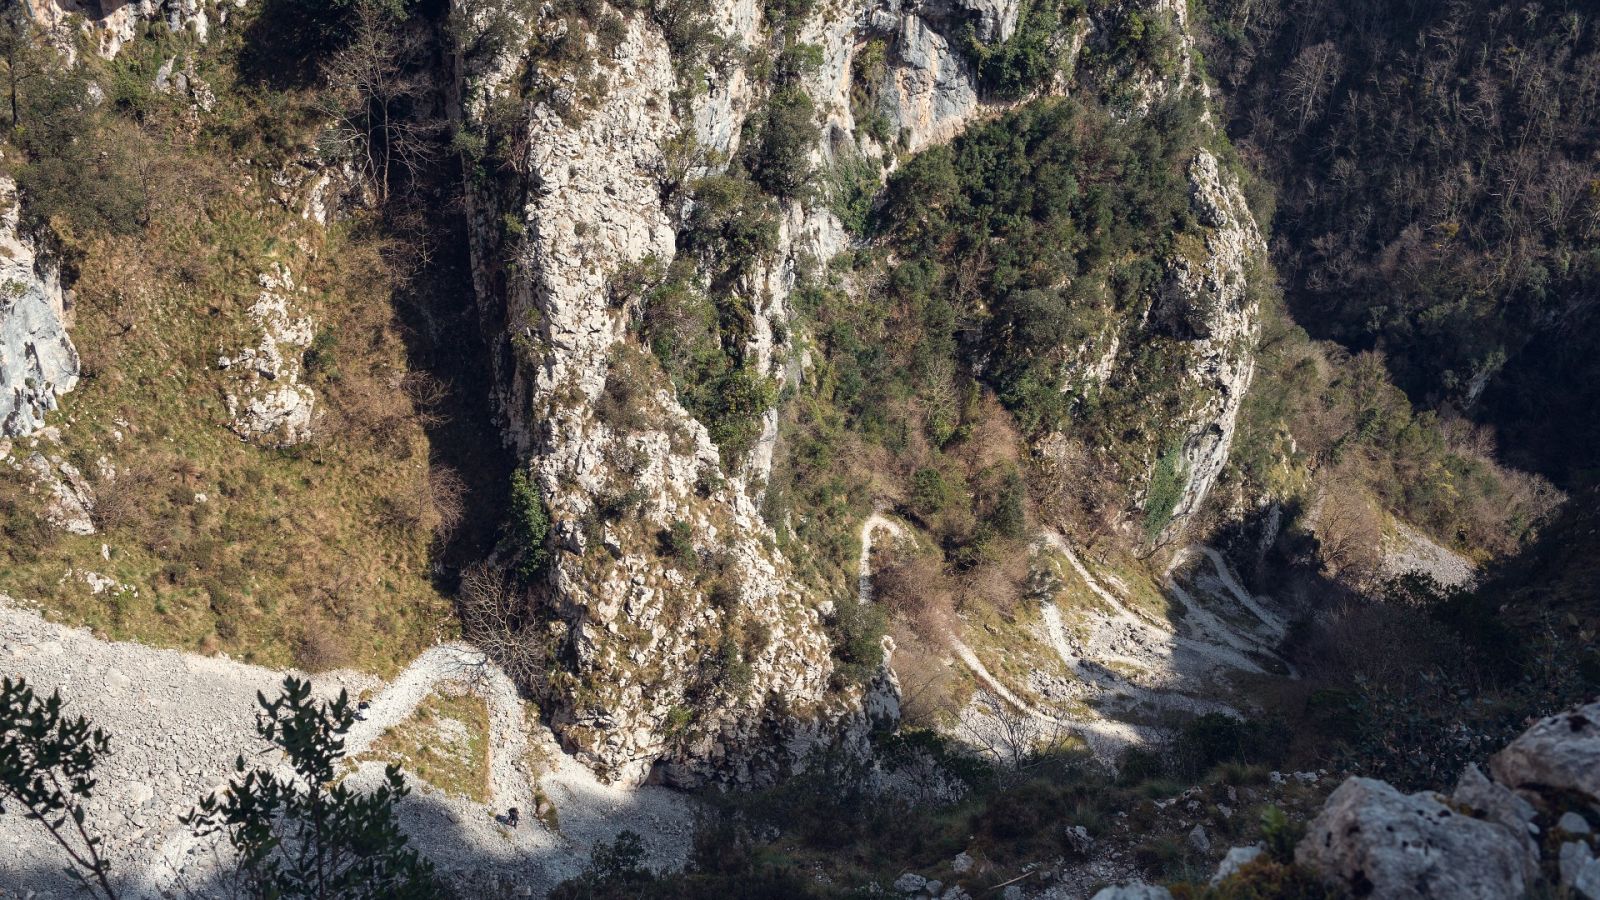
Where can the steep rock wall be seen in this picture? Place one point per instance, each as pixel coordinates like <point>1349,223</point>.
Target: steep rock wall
<point>637,627</point>
<point>37,360</point>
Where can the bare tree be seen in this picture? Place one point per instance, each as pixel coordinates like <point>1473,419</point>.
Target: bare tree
<point>1349,530</point>
<point>1015,738</point>
<point>379,100</point>
<point>1311,78</point>
<point>496,615</point>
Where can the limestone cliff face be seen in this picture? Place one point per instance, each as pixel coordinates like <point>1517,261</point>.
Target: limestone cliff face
<point>110,26</point>
<point>638,630</point>
<point>688,649</point>
<point>37,360</point>
<point>1223,351</point>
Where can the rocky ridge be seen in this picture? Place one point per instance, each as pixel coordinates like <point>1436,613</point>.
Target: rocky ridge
<point>268,404</point>
<point>111,26</point>
<point>589,202</point>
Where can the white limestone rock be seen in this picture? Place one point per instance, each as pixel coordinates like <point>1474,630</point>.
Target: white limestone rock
<point>1379,841</point>
<point>268,405</point>
<point>70,498</point>
<point>1236,859</point>
<point>112,26</point>
<point>1135,891</point>
<point>1224,324</point>
<point>1560,752</point>
<point>38,362</point>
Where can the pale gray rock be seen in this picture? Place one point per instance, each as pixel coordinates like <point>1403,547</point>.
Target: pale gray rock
<point>1221,319</point>
<point>1579,870</point>
<point>112,26</point>
<point>1572,823</point>
<point>962,864</point>
<point>1134,891</point>
<point>37,360</point>
<point>910,883</point>
<point>996,19</point>
<point>1379,841</point>
<point>1199,841</point>
<point>268,404</point>
<point>70,498</point>
<point>1498,804</point>
<point>1236,859</point>
<point>1560,752</point>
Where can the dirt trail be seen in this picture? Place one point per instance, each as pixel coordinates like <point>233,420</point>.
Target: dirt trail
<point>1182,658</point>
<point>179,719</point>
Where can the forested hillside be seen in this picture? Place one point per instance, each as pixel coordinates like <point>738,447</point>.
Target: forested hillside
<point>1437,196</point>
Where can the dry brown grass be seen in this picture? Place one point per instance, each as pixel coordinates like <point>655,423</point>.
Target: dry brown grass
<point>917,590</point>
<point>321,647</point>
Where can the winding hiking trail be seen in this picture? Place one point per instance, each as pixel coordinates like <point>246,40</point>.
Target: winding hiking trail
<point>1181,658</point>
<point>178,719</point>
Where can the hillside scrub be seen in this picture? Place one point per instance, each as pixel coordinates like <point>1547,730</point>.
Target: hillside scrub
<point>1344,426</point>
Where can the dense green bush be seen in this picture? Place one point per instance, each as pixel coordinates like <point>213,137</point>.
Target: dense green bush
<point>1166,489</point>
<point>779,141</point>
<point>1027,60</point>
<point>1031,236</point>
<point>530,526</point>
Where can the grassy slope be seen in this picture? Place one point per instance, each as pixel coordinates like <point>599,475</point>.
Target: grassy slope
<point>316,556</point>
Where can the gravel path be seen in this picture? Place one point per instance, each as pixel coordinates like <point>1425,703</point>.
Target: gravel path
<point>1197,654</point>
<point>178,720</point>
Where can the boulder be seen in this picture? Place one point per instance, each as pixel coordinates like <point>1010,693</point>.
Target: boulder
<point>1572,823</point>
<point>1380,842</point>
<point>1237,858</point>
<point>1498,804</point>
<point>1137,890</point>
<point>1580,870</point>
<point>910,883</point>
<point>1560,752</point>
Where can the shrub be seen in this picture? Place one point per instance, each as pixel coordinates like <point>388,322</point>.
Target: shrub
<point>856,631</point>
<point>1027,60</point>
<point>1166,489</point>
<point>779,151</point>
<point>731,225</point>
<point>677,543</point>
<point>530,526</point>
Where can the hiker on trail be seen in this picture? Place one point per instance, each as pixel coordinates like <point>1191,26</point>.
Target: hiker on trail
<point>513,817</point>
<point>361,710</point>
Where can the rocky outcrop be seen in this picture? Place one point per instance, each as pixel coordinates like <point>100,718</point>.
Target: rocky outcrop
<point>1559,753</point>
<point>267,403</point>
<point>112,25</point>
<point>588,197</point>
<point>1134,891</point>
<point>1208,295</point>
<point>37,360</point>
<point>639,695</point>
<point>69,498</point>
<point>1530,825</point>
<point>1415,846</point>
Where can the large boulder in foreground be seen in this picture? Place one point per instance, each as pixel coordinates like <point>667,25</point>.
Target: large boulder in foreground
<point>1382,843</point>
<point>1559,753</point>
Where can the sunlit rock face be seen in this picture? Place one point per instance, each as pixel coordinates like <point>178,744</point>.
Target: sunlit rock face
<point>37,360</point>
